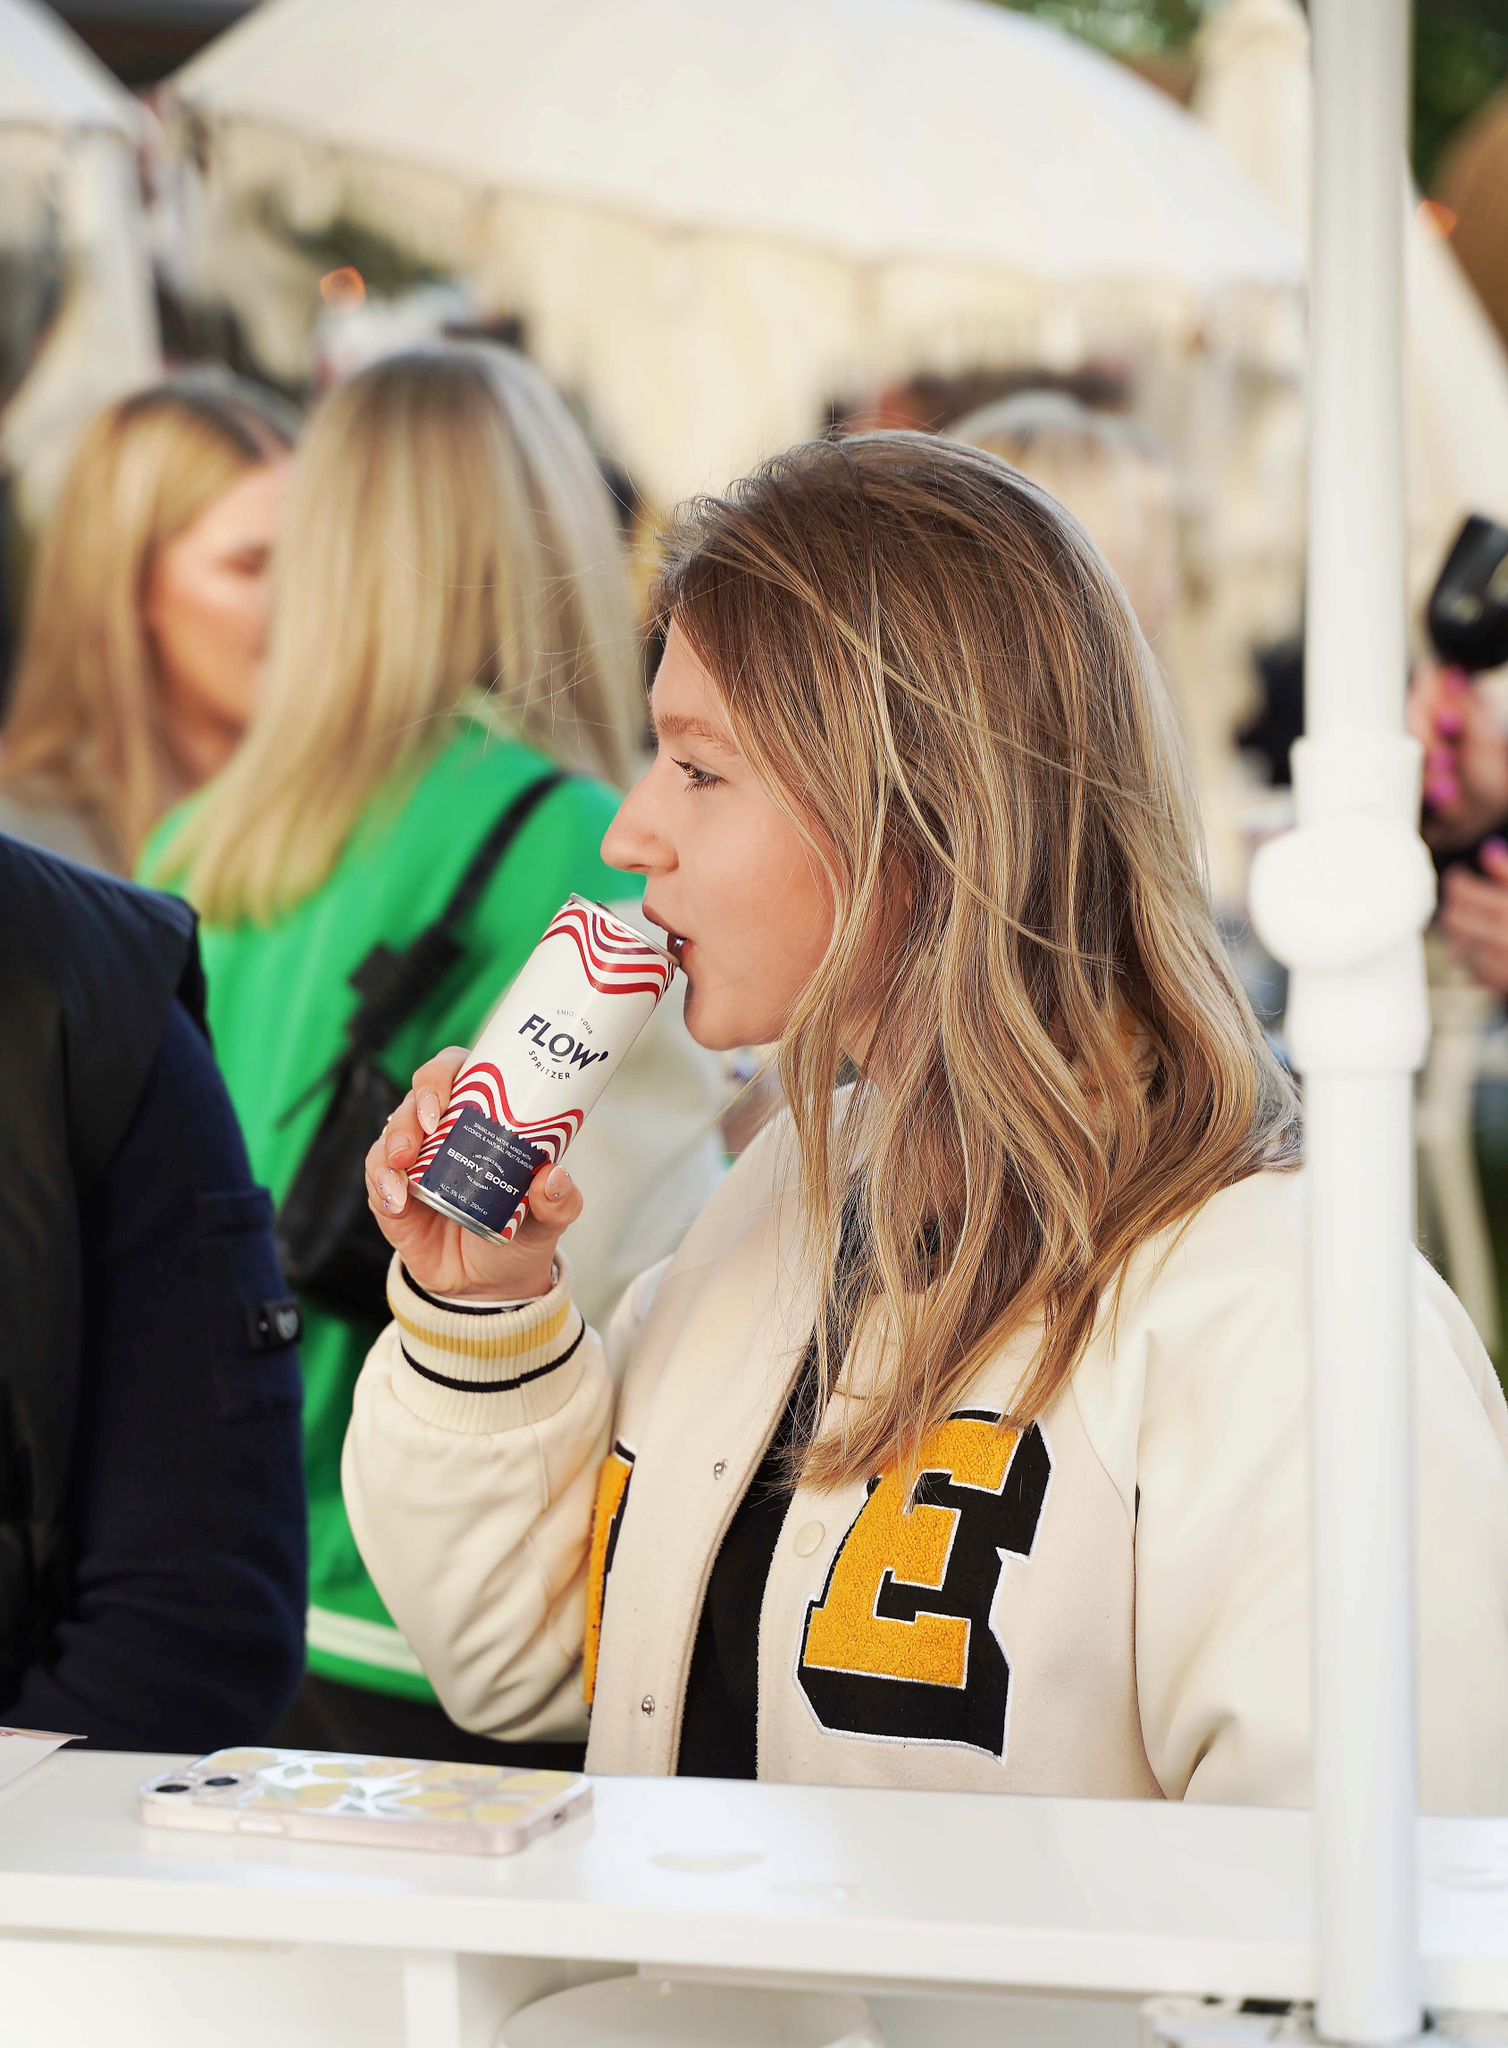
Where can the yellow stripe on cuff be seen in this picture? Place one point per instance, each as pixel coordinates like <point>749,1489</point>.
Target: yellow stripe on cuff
<point>502,1343</point>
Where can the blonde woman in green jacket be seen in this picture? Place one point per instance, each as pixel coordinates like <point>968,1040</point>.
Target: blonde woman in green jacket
<point>452,622</point>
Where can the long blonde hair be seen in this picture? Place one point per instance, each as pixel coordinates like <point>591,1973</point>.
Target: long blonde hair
<point>927,663</point>
<point>448,541</point>
<point>87,709</point>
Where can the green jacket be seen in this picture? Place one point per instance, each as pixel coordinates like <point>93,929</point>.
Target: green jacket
<point>279,1000</point>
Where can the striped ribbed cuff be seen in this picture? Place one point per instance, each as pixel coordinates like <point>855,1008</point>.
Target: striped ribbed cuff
<point>482,1369</point>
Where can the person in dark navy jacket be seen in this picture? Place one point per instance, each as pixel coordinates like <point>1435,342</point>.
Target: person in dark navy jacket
<point>152,1526</point>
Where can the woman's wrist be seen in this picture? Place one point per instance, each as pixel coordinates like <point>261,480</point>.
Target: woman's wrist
<point>484,1365</point>
<point>518,1295</point>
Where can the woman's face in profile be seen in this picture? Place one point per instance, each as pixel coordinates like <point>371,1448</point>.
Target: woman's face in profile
<point>208,603</point>
<point>729,877</point>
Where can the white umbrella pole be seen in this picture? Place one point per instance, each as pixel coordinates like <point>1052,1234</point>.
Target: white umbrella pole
<point>1360,1122</point>
<point>1343,899</point>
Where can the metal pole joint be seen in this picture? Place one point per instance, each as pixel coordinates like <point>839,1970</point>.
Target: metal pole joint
<point>1343,901</point>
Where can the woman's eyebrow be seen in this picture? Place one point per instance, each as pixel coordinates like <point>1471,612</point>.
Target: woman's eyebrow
<point>672,726</point>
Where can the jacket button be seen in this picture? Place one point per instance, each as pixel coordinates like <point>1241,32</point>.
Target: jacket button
<point>647,1704</point>
<point>719,1468</point>
<point>808,1537</point>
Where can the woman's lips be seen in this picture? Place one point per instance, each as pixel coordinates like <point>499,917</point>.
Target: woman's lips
<point>675,942</point>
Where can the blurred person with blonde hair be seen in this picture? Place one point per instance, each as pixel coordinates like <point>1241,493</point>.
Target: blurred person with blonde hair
<point>453,673</point>
<point>1116,479</point>
<point>147,616</point>
<point>1109,472</point>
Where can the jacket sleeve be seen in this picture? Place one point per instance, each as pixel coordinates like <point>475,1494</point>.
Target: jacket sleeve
<point>185,1626</point>
<point>1223,1602</point>
<point>470,1473</point>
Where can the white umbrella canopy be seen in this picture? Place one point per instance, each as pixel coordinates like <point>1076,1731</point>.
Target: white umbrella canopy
<point>68,176</point>
<point>49,82</point>
<point>1254,93</point>
<point>52,91</point>
<point>713,215</point>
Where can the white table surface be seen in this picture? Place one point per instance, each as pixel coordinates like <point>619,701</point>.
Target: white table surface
<point>876,1888</point>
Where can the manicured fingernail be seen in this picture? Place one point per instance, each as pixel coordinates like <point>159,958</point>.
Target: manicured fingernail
<point>556,1185</point>
<point>428,1107</point>
<point>1450,724</point>
<point>1442,791</point>
<point>394,1191</point>
<point>399,1141</point>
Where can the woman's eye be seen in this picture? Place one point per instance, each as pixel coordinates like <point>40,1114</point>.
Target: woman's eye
<point>249,561</point>
<point>697,778</point>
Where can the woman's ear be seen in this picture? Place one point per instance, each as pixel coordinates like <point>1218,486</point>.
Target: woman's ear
<point>904,883</point>
<point>900,911</point>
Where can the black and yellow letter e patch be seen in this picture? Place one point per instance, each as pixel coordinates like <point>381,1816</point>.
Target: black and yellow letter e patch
<point>899,1648</point>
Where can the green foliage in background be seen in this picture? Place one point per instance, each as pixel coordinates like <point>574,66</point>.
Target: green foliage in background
<point>1460,61</point>
<point>1123,28</point>
<point>1460,52</point>
<point>386,269</point>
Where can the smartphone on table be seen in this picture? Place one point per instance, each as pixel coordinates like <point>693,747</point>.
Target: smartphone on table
<point>378,1802</point>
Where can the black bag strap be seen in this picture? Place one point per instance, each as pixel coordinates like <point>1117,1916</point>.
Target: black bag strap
<point>493,847</point>
<point>393,986</point>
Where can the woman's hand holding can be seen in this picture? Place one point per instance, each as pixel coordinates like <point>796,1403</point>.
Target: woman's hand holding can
<point>437,1253</point>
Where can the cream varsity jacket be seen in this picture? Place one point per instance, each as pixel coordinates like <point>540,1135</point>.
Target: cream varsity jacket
<point>1114,1603</point>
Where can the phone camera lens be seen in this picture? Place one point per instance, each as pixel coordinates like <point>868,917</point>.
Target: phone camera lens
<point>222,1781</point>
<point>174,1787</point>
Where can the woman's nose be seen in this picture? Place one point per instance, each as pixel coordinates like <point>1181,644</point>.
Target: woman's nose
<point>632,842</point>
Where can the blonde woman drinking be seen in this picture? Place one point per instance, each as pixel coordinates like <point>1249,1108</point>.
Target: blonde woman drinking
<point>452,626</point>
<point>147,617</point>
<point>963,1441</point>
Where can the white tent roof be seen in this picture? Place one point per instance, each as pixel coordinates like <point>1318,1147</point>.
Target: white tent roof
<point>1254,92</point>
<point>68,136</point>
<point>714,216</point>
<point>627,105</point>
<point>48,79</point>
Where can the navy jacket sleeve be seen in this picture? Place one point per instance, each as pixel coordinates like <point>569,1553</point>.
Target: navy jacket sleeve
<point>186,1623</point>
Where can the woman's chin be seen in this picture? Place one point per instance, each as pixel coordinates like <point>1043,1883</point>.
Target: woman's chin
<point>713,1032</point>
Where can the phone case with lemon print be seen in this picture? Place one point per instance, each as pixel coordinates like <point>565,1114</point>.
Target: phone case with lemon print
<point>367,1801</point>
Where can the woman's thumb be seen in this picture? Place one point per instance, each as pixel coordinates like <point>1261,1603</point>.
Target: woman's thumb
<point>554,1198</point>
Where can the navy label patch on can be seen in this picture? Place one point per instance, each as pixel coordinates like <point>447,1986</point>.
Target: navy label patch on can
<point>484,1169</point>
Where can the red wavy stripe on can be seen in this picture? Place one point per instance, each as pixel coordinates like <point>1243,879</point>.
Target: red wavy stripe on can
<point>597,943</point>
<point>484,1083</point>
<point>482,1087</point>
<point>599,974</point>
<point>615,938</point>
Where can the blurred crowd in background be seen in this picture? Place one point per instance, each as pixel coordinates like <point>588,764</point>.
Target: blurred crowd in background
<point>352,356</point>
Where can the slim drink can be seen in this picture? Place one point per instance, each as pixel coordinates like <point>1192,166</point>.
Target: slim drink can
<point>546,1053</point>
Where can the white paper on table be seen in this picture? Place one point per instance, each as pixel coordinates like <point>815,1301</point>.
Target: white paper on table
<point>20,1748</point>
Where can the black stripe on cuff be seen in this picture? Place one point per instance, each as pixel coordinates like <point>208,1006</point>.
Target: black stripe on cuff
<point>494,1386</point>
<point>464,1308</point>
